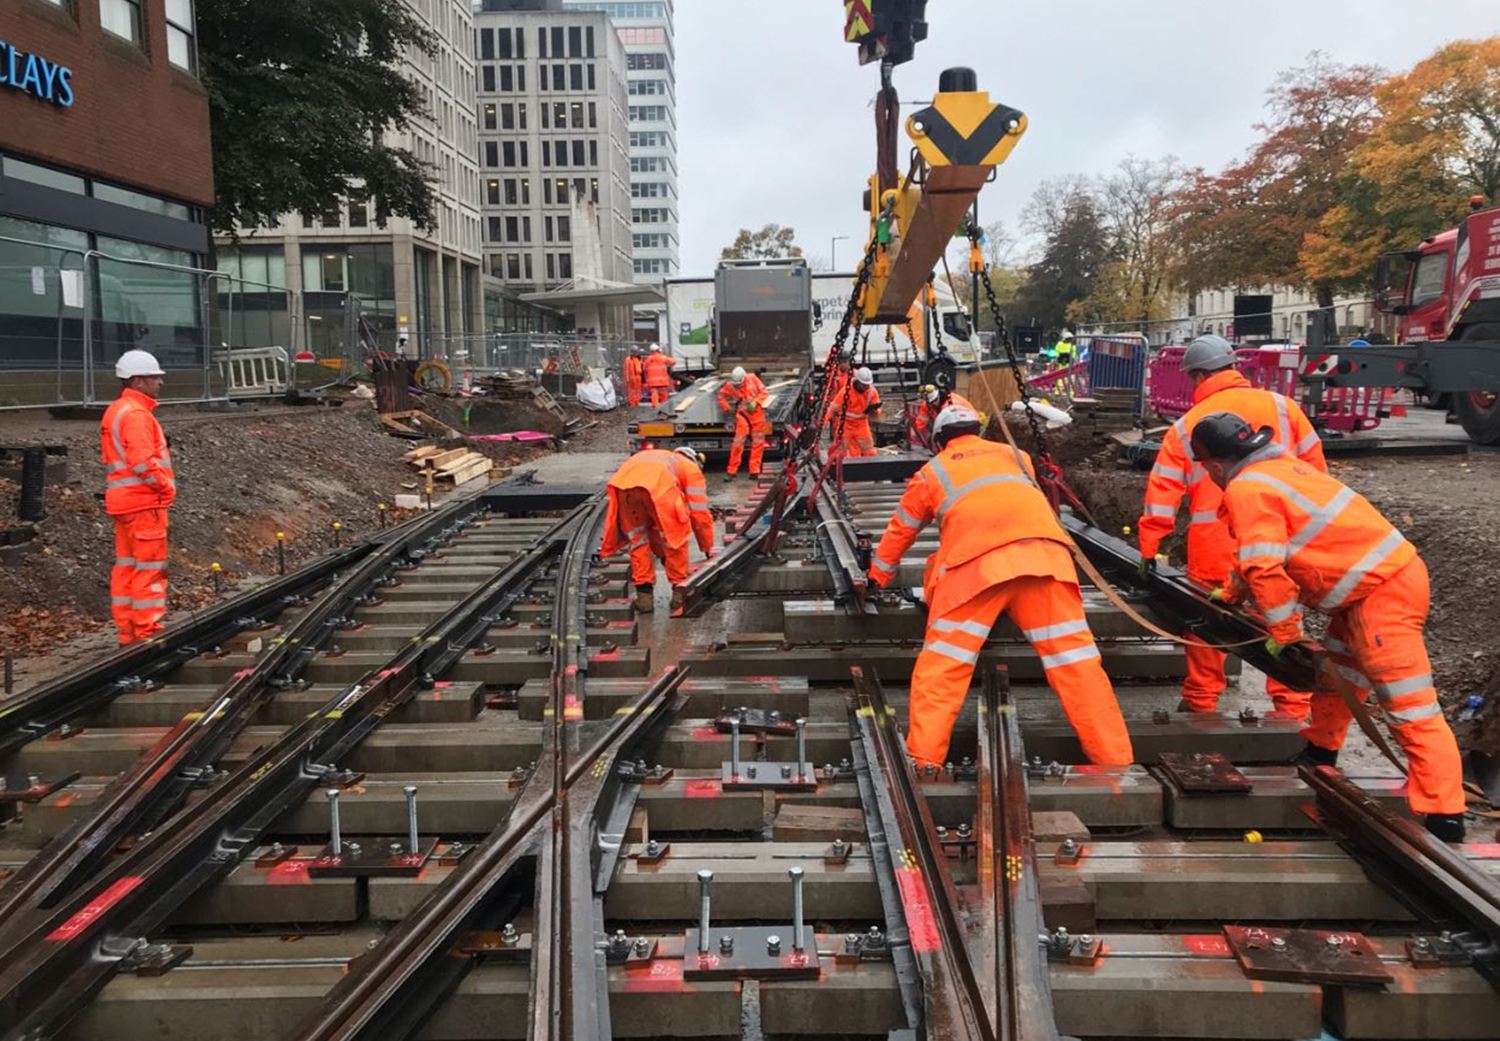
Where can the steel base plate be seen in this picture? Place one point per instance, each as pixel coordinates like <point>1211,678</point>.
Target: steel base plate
<point>1306,956</point>
<point>33,787</point>
<point>756,777</point>
<point>757,721</point>
<point>1203,773</point>
<point>378,857</point>
<point>749,957</point>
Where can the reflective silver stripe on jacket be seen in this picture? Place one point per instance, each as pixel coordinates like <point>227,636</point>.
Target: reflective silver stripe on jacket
<point>1204,517</point>
<point>1301,501</point>
<point>1355,575</point>
<point>1306,444</point>
<point>1170,473</point>
<point>882,566</point>
<point>906,518</point>
<point>1281,612</point>
<point>1256,550</point>
<point>1320,520</point>
<point>1283,420</point>
<point>953,494</point>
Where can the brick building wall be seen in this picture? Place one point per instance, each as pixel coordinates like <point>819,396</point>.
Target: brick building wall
<point>136,119</point>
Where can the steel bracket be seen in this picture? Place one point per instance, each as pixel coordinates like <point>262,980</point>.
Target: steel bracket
<point>757,721</point>
<point>767,776</point>
<point>1203,773</point>
<point>754,952</point>
<point>373,858</point>
<point>33,788</point>
<point>1314,956</point>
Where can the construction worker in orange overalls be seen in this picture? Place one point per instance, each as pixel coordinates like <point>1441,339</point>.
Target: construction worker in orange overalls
<point>657,499</point>
<point>1302,536</point>
<point>139,488</point>
<point>635,376</point>
<point>857,401</point>
<point>1217,387</point>
<point>744,396</point>
<point>1000,549</point>
<point>933,400</point>
<point>658,375</point>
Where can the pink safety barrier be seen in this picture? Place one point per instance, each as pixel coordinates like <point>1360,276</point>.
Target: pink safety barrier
<point>1346,409</point>
<point>1071,381</point>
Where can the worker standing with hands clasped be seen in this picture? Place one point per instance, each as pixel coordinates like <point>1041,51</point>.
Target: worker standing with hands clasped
<point>658,372</point>
<point>139,487</point>
<point>1000,549</point>
<point>656,500</point>
<point>635,376</point>
<point>744,396</point>
<point>1303,537</point>
<point>1217,387</point>
<point>857,401</point>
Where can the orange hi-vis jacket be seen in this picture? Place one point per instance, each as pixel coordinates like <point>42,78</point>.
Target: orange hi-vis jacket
<point>1210,549</point>
<point>857,405</point>
<point>927,415</point>
<point>678,491</point>
<point>658,369</point>
<point>634,371</point>
<point>138,467</point>
<point>752,390</point>
<point>1304,535</point>
<point>994,524</point>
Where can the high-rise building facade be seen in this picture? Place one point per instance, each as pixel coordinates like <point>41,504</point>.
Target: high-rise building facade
<point>645,28</point>
<point>409,282</point>
<point>553,145</point>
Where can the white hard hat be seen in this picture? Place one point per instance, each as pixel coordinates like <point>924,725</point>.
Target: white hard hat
<point>954,416</point>
<point>691,453</point>
<point>656,346</point>
<point>137,363</point>
<point>864,375</point>
<point>1067,334</point>
<point>931,393</point>
<point>1208,354</point>
<point>737,376</point>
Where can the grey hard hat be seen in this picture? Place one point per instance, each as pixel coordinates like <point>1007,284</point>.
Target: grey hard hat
<point>1208,354</point>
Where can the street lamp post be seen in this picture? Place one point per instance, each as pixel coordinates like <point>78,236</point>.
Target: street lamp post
<point>833,251</point>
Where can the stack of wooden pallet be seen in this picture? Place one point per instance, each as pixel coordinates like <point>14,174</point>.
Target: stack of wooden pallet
<point>1107,411</point>
<point>459,465</point>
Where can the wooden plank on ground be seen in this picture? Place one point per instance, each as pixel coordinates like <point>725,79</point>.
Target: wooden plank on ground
<point>797,822</point>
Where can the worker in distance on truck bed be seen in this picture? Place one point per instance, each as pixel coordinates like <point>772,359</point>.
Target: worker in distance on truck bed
<point>857,401</point>
<point>1302,536</point>
<point>657,499</point>
<point>1000,550</point>
<point>658,373</point>
<point>744,397</point>
<point>139,487</point>
<point>635,376</point>
<point>1217,387</point>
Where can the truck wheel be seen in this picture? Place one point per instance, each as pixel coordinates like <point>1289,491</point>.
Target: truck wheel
<point>1479,411</point>
<point>941,373</point>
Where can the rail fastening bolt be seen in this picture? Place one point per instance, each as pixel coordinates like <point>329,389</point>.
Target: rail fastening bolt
<point>726,944</point>
<point>411,817</point>
<point>1278,944</point>
<point>801,749</point>
<point>734,746</point>
<point>773,945</point>
<point>705,883</point>
<point>335,839</point>
<point>795,874</point>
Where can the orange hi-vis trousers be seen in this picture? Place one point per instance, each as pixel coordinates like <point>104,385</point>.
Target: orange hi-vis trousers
<point>754,426</point>
<point>1205,682</point>
<point>138,581</point>
<point>633,392</point>
<point>1376,645</point>
<point>1051,615</point>
<point>859,439</point>
<point>642,533</point>
<point>659,394</point>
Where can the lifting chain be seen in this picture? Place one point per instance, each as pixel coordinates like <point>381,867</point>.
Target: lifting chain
<point>1002,335</point>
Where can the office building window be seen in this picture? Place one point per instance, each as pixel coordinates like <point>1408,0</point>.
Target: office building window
<point>575,41</point>
<point>547,229</point>
<point>513,266</point>
<point>487,79</point>
<point>521,114</point>
<point>551,267</point>
<point>507,116</point>
<point>182,43</point>
<point>503,42</point>
<point>507,79</point>
<point>494,229</point>
<point>564,229</point>
<point>512,229</point>
<point>541,41</point>
<point>489,117</point>
<point>560,149</point>
<point>546,156</point>
<point>547,191</point>
<point>592,83</point>
<point>508,149</point>
<point>559,77</point>
<point>492,192</point>
<point>565,266</point>
<point>525,191</point>
<point>588,47</point>
<point>521,78</point>
<point>359,214</point>
<point>123,18</point>
<point>593,116</point>
<point>559,50</point>
<point>576,115</point>
<point>578,153</point>
<point>575,77</point>
<point>593,153</point>
<point>492,154</point>
<point>594,190</point>
<point>527,258</point>
<point>486,45</point>
<point>511,198</point>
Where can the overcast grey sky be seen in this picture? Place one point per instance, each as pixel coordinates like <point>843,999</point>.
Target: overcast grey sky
<point>775,122</point>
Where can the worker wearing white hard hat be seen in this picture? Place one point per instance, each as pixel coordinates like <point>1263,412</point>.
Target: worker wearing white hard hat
<point>934,400</point>
<point>1063,350</point>
<point>658,375</point>
<point>854,404</point>
<point>743,399</point>
<point>139,487</point>
<point>657,502</point>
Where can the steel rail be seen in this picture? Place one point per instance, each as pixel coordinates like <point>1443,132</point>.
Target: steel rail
<point>66,956</point>
<point>157,783</point>
<point>1015,978</point>
<point>1434,881</point>
<point>953,999</point>
<point>836,537</point>
<point>390,992</point>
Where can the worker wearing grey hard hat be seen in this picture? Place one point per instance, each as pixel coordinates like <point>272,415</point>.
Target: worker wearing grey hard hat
<point>1218,386</point>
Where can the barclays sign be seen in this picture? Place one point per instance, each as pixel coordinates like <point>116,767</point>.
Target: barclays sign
<point>32,74</point>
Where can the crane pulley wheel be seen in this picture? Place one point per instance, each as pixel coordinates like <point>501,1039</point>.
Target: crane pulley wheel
<point>941,372</point>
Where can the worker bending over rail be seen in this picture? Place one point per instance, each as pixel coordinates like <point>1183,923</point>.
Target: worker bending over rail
<point>744,397</point>
<point>1217,387</point>
<point>857,401</point>
<point>1301,536</point>
<point>139,487</point>
<point>1000,549</point>
<point>658,373</point>
<point>656,500</point>
<point>933,400</point>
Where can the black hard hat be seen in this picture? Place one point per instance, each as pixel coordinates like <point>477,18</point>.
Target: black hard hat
<point>1224,435</point>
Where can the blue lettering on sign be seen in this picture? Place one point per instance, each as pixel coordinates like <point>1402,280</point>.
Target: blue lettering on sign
<point>32,74</point>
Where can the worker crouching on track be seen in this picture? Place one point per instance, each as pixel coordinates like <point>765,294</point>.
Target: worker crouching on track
<point>744,396</point>
<point>635,376</point>
<point>1303,536</point>
<point>857,401</point>
<point>656,500</point>
<point>139,487</point>
<point>933,400</point>
<point>1000,549</point>
<point>1217,387</point>
<point>658,373</point>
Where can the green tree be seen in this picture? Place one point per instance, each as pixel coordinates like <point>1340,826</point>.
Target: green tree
<point>1075,248</point>
<point>1135,284</point>
<point>769,243</point>
<point>305,100</point>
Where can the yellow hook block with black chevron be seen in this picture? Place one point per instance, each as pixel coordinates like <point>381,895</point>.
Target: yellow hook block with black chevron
<point>965,128</point>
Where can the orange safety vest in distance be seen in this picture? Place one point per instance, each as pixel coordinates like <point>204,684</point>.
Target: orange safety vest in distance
<point>1210,548</point>
<point>633,369</point>
<point>927,415</point>
<point>1305,536</point>
<point>860,404</point>
<point>657,370</point>
<point>985,500</point>
<point>678,491</point>
<point>138,467</point>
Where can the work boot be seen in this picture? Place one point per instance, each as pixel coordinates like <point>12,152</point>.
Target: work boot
<point>1316,755</point>
<point>677,597</point>
<point>1447,826</point>
<point>645,600</point>
<point>728,476</point>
